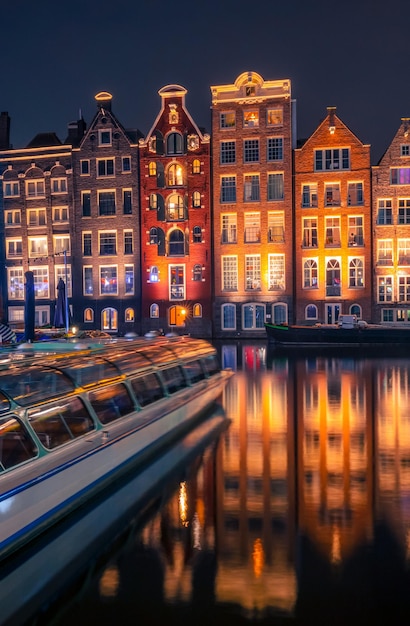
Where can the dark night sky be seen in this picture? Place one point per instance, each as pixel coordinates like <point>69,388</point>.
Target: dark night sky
<point>55,56</point>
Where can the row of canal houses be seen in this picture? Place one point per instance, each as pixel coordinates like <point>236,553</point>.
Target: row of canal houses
<point>207,234</point>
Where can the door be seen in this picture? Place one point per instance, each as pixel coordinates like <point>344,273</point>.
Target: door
<point>332,313</point>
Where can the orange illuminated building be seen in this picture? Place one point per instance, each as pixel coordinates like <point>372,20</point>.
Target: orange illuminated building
<point>333,230</point>
<point>252,138</point>
<point>175,221</point>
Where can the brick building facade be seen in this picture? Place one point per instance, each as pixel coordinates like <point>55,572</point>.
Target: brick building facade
<point>333,231</point>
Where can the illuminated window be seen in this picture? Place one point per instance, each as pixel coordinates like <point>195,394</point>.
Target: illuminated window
<point>152,168</point>
<point>251,188</point>
<point>86,203</point>
<point>332,231</point>
<point>404,288</point>
<point>253,316</point>
<point>227,119</point>
<point>175,176</point>
<point>197,310</point>
<point>34,188</point>
<point>251,150</point>
<point>61,243</point>
<point>384,252</point>
<point>153,236</point>
<point>197,273</point>
<point>12,218</point>
<point>88,315</point>
<point>385,288</point>
<point>88,287</point>
<point>384,212</point>
<point>15,283</point>
<point>177,282</point>
<point>126,164</point>
<point>109,319</point>
<point>309,232</point>
<point>404,211</point>
<point>63,272</point>
<point>332,194</point>
<point>274,117</point>
<point>228,189</point>
<point>400,176</point>
<point>128,242</point>
<point>60,214</point>
<point>153,201</point>
<point>274,149</point>
<point>107,243</point>
<point>11,189</point>
<point>37,246</point>
<point>105,167</point>
<point>36,217</point>
<point>197,234</point>
<point>275,186</point>
<point>154,274</point>
<point>356,273</point>
<point>58,185</point>
<point>276,272</point>
<point>309,195</point>
<point>175,207</point>
<point>276,227</point>
<point>355,230</point>
<point>108,280</point>
<point>355,194</point>
<point>228,315</point>
<point>174,143</point>
<point>127,201</point>
<point>129,279</point>
<point>41,282</point>
<point>228,228</point>
<point>104,137</point>
<point>154,310</point>
<point>230,273</point>
<point>333,284</point>
<point>196,166</point>
<point>310,274</point>
<point>227,152</point>
<point>252,228</point>
<point>129,315</point>
<point>106,202</point>
<point>251,118</point>
<point>14,248</point>
<point>332,159</point>
<point>85,167</point>
<point>196,199</point>
<point>403,251</point>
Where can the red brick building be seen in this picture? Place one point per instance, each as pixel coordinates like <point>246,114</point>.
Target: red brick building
<point>391,224</point>
<point>333,229</point>
<point>252,204</point>
<point>175,221</point>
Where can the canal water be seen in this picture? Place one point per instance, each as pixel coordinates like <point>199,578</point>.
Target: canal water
<point>298,513</point>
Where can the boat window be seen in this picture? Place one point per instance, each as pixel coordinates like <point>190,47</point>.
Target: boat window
<point>212,364</point>
<point>129,362</point>
<point>34,384</point>
<point>174,378</point>
<point>147,389</point>
<point>111,403</point>
<point>4,403</point>
<point>16,445</point>
<point>57,423</point>
<point>194,371</point>
<point>90,372</point>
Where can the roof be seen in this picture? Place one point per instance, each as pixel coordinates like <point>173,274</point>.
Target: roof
<point>42,140</point>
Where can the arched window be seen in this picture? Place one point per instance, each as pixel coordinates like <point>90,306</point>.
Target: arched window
<point>154,274</point>
<point>175,175</point>
<point>196,199</point>
<point>253,316</point>
<point>196,166</point>
<point>176,242</point>
<point>175,207</point>
<point>228,317</point>
<point>154,310</point>
<point>109,319</point>
<point>174,143</point>
<point>311,312</point>
<point>152,168</point>
<point>197,310</point>
<point>310,274</point>
<point>153,236</point>
<point>280,313</point>
<point>333,278</point>
<point>197,234</point>
<point>356,309</point>
<point>356,273</point>
<point>153,201</point>
<point>197,272</point>
<point>88,315</point>
<point>129,315</point>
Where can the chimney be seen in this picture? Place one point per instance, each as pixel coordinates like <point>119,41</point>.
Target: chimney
<point>76,131</point>
<point>4,131</point>
<point>332,125</point>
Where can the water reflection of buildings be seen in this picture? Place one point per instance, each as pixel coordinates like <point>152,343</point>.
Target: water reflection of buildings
<point>316,462</point>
